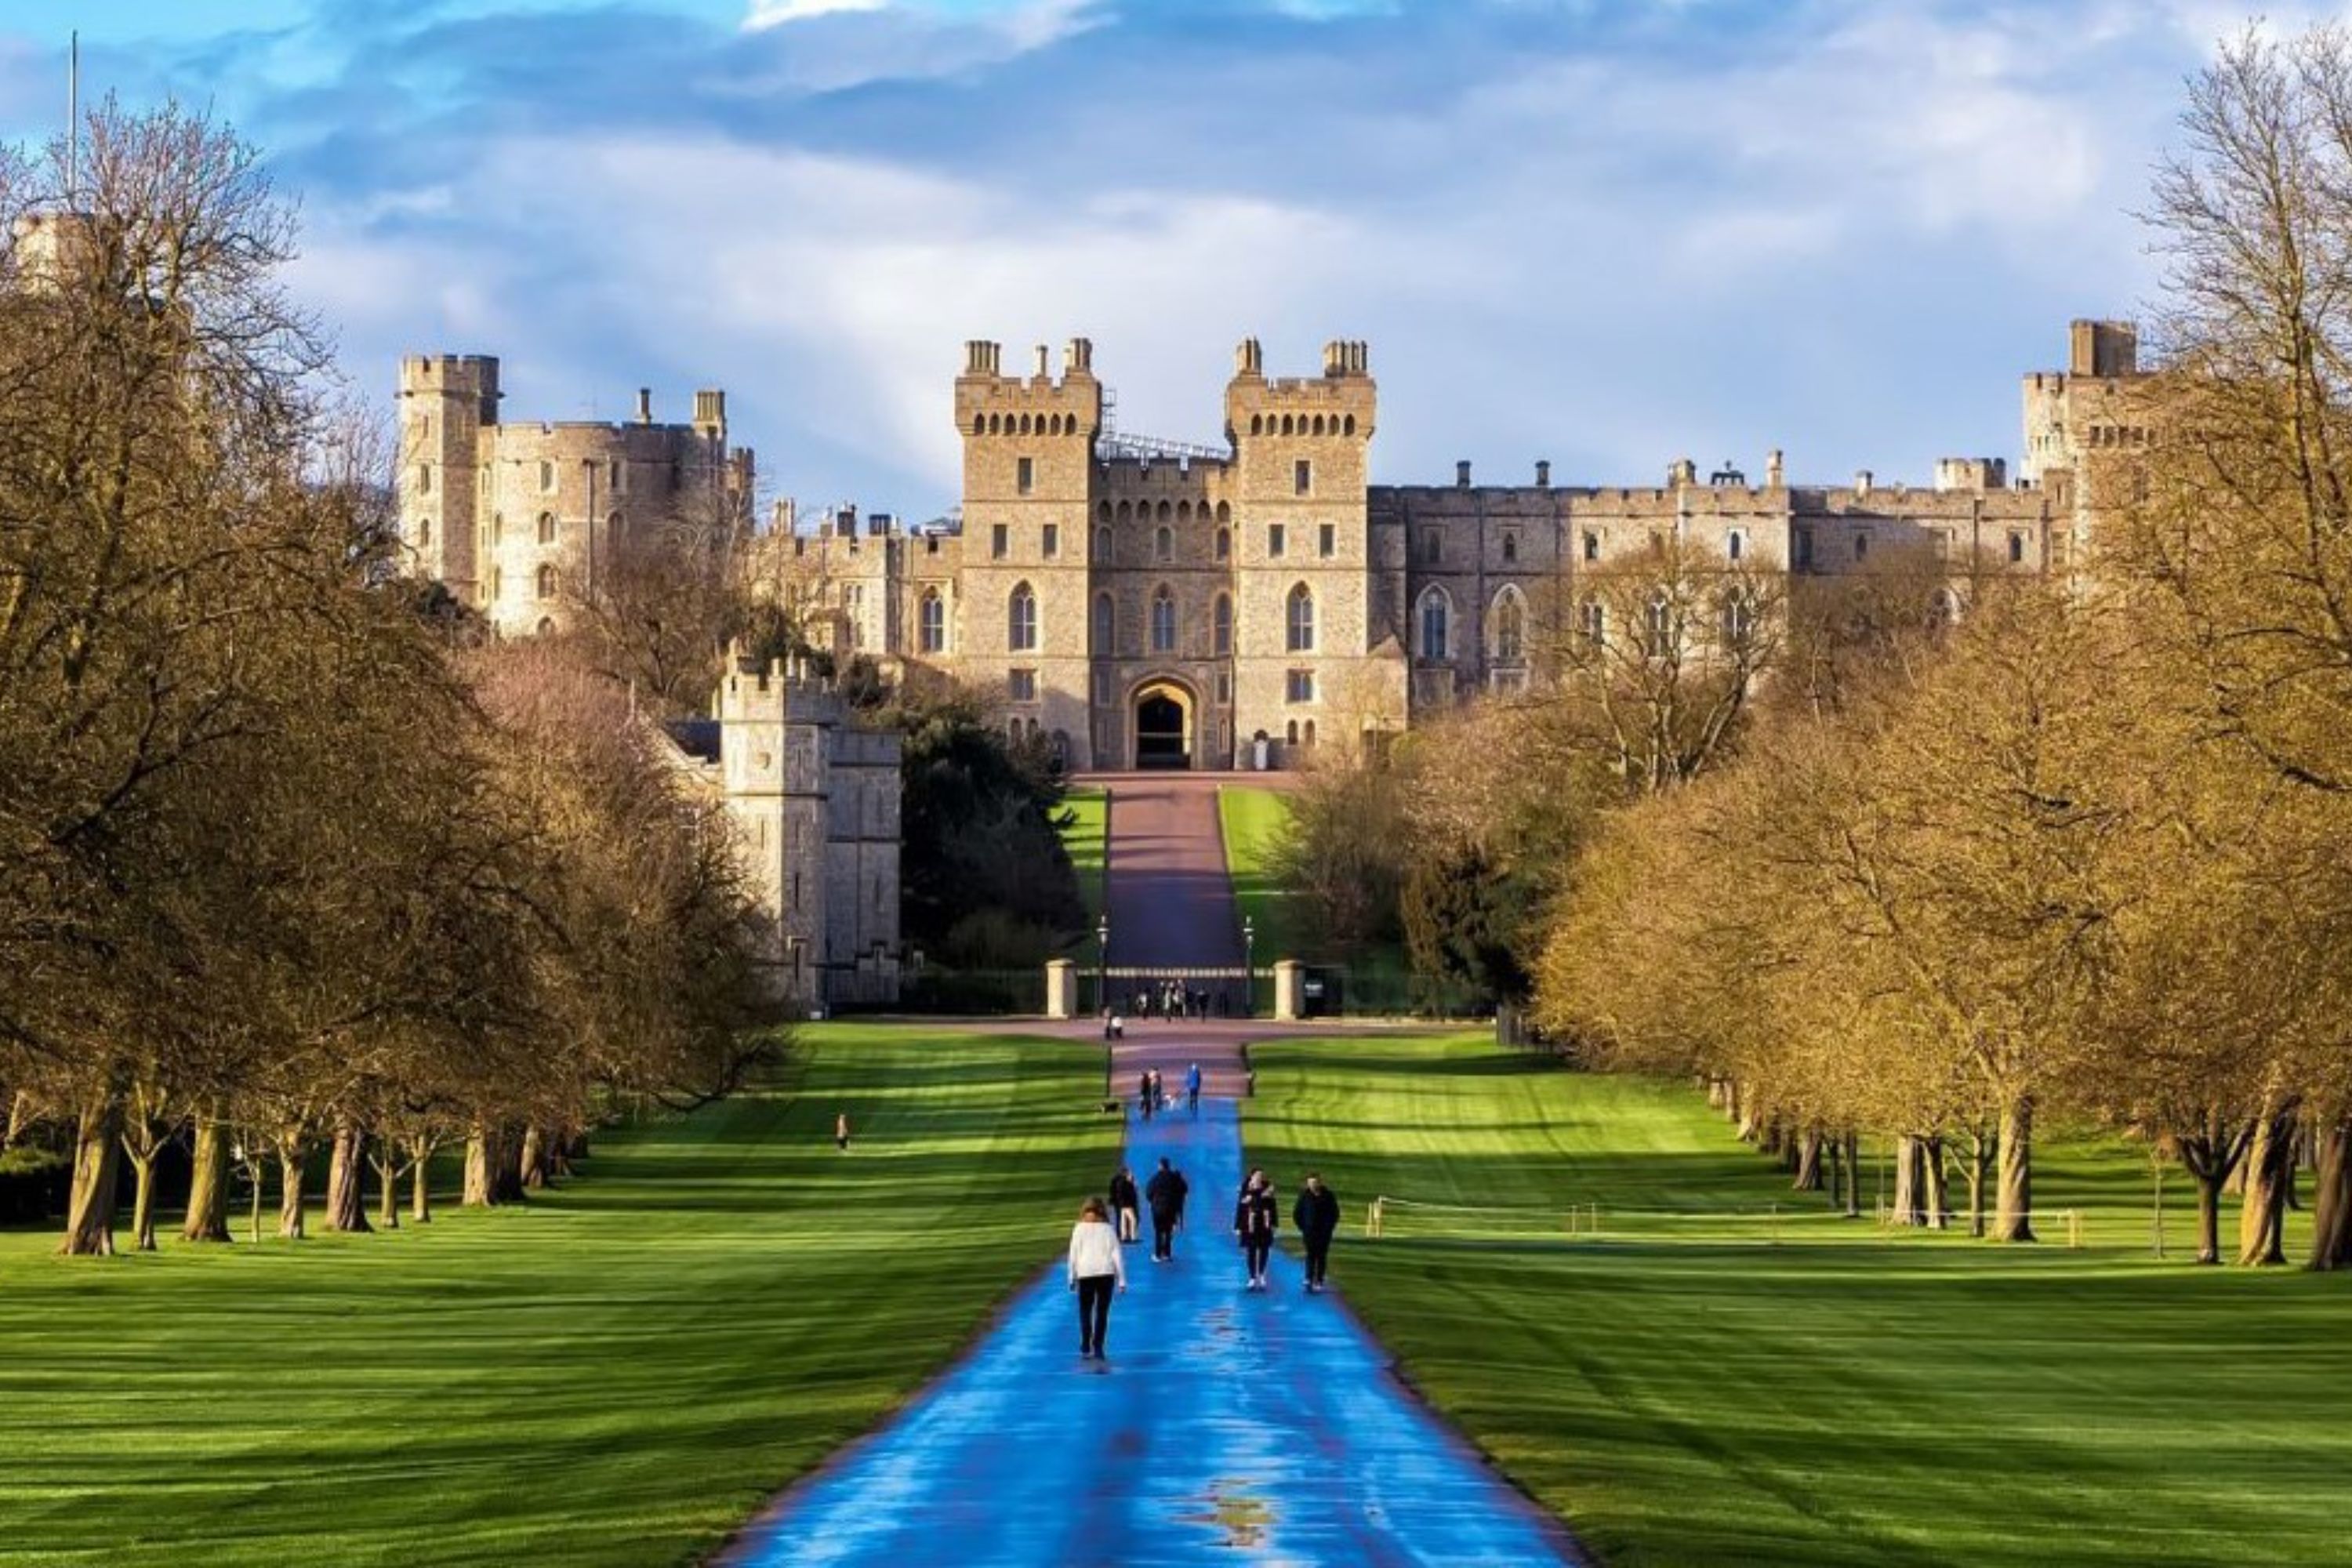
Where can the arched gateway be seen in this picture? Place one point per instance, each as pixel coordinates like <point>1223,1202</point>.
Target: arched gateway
<point>1164,730</point>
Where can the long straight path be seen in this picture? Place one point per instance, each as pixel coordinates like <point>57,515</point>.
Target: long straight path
<point>1171,901</point>
<point>1224,1423</point>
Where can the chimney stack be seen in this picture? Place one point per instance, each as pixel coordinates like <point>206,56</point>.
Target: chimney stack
<point>644,406</point>
<point>1462,473</point>
<point>1543,474</point>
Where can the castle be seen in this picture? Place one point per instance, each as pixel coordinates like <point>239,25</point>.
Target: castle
<point>1146,604</point>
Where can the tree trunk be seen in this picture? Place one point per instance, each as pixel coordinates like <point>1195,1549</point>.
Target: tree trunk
<point>1980,1149</point>
<point>1937,1183</point>
<point>2270,1178</point>
<point>1853,1174</point>
<point>1808,1178</point>
<point>143,1202</point>
<point>289,1189</point>
<point>207,1217</point>
<point>493,1171</point>
<point>2013,1220</point>
<point>1715,1094</point>
<point>346,1205</point>
<point>531,1167</point>
<point>98,1149</point>
<point>2331,1224</point>
<point>387,1176</point>
<point>1731,1112</point>
<point>1834,1167</point>
<point>420,1181</point>
<point>2210,1179</point>
<point>1908,1209</point>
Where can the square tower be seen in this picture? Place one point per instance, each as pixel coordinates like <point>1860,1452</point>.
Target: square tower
<point>447,401</point>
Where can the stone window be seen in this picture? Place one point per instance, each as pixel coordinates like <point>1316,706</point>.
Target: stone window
<point>1106,623</point>
<point>1224,513</point>
<point>424,532</point>
<point>1437,612</point>
<point>1274,538</point>
<point>1102,689</point>
<point>1024,478</point>
<point>1163,620</point>
<point>1102,546</point>
<point>1510,548</point>
<point>497,528</point>
<point>1220,627</point>
<point>1163,543</point>
<point>999,542</point>
<point>1298,620</point>
<point>1804,549</point>
<point>1224,687</point>
<point>2016,547</point>
<point>1326,541</point>
<point>1658,634</point>
<point>497,583</point>
<point>1290,732</point>
<point>1510,627</point>
<point>614,524</point>
<point>1021,620</point>
<point>1433,547</point>
<point>1738,619</point>
<point>1593,622</point>
<point>1050,543</point>
<point>1224,544</point>
<point>425,479</point>
<point>546,476</point>
<point>1102,512</point>
<point>1302,478</point>
<point>616,477</point>
<point>1592,545</point>
<point>1298,686</point>
<point>1307,734</point>
<point>546,629</point>
<point>931,620</point>
<point>1734,544</point>
<point>1862,547</point>
<point>1021,685</point>
<point>547,528</point>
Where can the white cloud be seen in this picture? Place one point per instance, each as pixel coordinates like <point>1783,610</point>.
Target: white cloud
<point>776,13</point>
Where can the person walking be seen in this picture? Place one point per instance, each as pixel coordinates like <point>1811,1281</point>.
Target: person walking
<point>1097,1264</point>
<point>1124,1202</point>
<point>1159,1091</point>
<point>1192,1089</point>
<point>1255,1218</point>
<point>841,1130</point>
<point>1316,1216</point>
<point>1166,1193</point>
<point>1143,1092</point>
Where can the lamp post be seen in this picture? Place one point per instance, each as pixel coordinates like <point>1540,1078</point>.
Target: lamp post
<point>1102,992</point>
<point>1249,972</point>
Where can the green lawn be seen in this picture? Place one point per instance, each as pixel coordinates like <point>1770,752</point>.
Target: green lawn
<point>1255,823</point>
<point>1088,841</point>
<point>619,1373</point>
<point>1696,1394</point>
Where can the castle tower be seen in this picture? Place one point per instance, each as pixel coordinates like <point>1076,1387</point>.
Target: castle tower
<point>1302,549</point>
<point>773,730</point>
<point>447,401</point>
<point>1028,459</point>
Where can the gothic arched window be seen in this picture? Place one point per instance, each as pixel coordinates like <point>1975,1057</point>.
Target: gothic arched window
<point>1298,620</point>
<point>547,528</point>
<point>1509,626</point>
<point>1163,619</point>
<point>932,621</point>
<point>1434,619</point>
<point>1220,627</point>
<point>1106,623</point>
<point>547,582</point>
<point>1021,620</point>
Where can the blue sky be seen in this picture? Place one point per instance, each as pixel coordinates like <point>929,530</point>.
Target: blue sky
<point>1606,232</point>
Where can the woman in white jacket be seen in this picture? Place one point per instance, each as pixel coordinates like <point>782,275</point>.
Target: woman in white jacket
<point>1097,1263</point>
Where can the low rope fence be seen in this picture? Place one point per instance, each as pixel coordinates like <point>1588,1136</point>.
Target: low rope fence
<point>1392,1217</point>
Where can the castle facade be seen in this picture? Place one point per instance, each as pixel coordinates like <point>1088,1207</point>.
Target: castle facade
<point>1146,605</point>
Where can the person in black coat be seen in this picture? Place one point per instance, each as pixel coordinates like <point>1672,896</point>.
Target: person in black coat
<point>1124,1202</point>
<point>1256,1216</point>
<point>1316,1216</point>
<point>1166,1193</point>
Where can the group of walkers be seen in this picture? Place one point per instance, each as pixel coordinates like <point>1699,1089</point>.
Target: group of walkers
<point>1152,1091</point>
<point>1098,1266</point>
<point>1175,1000</point>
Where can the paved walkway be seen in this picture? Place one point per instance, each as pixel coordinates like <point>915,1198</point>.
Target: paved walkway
<point>1171,904</point>
<point>1224,1425</point>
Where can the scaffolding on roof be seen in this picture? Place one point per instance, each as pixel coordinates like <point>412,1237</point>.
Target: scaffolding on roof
<point>1113,442</point>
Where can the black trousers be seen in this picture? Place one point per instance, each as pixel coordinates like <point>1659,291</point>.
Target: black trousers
<point>1094,1310</point>
<point>1163,1234</point>
<point>1319,1258</point>
<point>1257,1250</point>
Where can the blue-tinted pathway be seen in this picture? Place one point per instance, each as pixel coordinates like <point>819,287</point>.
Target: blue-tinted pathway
<point>1225,1425</point>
